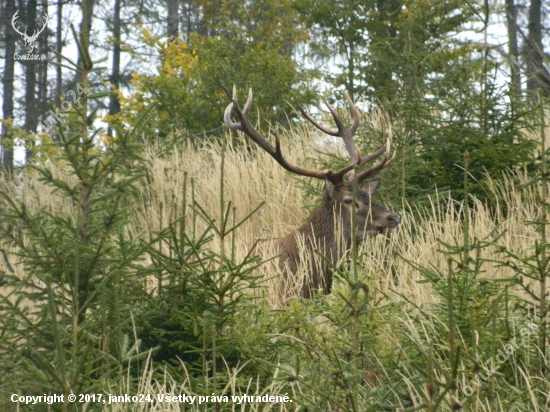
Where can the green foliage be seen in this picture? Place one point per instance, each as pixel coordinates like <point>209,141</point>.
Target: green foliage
<point>477,329</point>
<point>534,268</point>
<point>201,294</point>
<point>474,121</point>
<point>209,327</point>
<point>440,91</point>
<point>389,47</point>
<point>247,45</point>
<point>336,346</point>
<point>68,265</point>
<point>197,313</point>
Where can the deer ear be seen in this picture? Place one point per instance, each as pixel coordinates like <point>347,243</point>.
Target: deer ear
<point>328,191</point>
<point>371,186</point>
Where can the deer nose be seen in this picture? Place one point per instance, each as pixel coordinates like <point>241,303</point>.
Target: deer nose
<point>394,219</point>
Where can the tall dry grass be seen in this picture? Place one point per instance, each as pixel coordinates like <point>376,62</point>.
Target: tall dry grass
<point>252,177</point>
<point>166,385</point>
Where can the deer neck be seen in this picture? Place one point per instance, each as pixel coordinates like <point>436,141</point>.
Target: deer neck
<point>321,228</point>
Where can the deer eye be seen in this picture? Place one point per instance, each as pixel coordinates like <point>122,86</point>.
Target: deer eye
<point>348,201</point>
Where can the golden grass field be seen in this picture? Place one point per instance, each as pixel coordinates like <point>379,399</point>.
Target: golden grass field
<point>250,179</point>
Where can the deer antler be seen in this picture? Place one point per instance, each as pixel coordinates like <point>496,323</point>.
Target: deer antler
<point>13,19</point>
<point>345,133</point>
<point>274,152</point>
<point>347,136</point>
<point>36,34</point>
<point>385,162</point>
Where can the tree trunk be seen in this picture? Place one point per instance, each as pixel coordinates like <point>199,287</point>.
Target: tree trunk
<point>7,84</point>
<point>351,70</point>
<point>173,18</point>
<point>59,49</point>
<point>89,14</point>
<point>43,67</point>
<point>187,12</point>
<point>85,30</point>
<point>114,104</point>
<point>513,49</point>
<point>31,109</point>
<point>537,75</point>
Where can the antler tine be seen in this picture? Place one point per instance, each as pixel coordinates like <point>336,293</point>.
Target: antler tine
<point>386,161</point>
<point>248,101</point>
<point>335,133</point>
<point>229,109</point>
<point>373,155</point>
<point>227,118</point>
<point>227,114</point>
<point>13,19</point>
<point>345,133</point>
<point>338,120</point>
<point>365,160</point>
<point>275,152</point>
<point>354,113</point>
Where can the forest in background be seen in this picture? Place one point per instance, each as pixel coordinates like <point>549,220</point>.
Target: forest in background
<point>447,84</point>
<point>128,212</point>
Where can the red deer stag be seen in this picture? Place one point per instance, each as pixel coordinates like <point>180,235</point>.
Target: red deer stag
<point>320,231</point>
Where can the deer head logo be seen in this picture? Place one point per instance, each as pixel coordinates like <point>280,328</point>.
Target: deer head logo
<point>29,40</point>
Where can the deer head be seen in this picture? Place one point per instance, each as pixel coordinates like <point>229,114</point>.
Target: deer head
<point>29,40</point>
